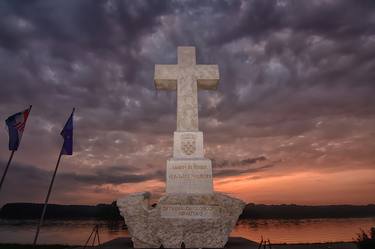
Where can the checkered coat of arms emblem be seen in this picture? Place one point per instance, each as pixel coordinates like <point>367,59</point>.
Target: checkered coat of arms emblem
<point>188,144</point>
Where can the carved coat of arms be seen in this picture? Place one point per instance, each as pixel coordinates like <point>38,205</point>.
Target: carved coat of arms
<point>188,144</point>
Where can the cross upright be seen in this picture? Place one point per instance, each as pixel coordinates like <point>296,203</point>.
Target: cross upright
<point>186,77</point>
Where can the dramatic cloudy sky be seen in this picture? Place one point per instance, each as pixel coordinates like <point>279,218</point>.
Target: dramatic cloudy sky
<point>292,121</point>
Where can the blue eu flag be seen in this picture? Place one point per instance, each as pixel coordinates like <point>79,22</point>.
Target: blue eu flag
<point>67,133</point>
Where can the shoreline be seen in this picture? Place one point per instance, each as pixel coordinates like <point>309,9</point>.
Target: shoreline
<point>323,245</point>
<point>110,211</point>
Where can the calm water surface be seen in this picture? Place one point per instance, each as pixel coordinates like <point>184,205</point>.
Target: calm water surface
<point>278,231</point>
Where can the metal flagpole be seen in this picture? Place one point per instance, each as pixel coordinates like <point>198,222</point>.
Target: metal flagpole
<point>6,169</point>
<point>46,201</point>
<point>66,149</point>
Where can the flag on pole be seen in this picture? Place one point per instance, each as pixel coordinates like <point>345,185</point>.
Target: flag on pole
<point>67,134</point>
<point>66,149</point>
<point>16,125</point>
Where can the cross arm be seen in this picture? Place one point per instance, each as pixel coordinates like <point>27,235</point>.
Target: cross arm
<point>165,77</point>
<point>207,76</point>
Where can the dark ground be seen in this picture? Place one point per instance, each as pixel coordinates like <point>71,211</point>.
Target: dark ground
<point>22,246</point>
<point>233,243</point>
<point>240,243</point>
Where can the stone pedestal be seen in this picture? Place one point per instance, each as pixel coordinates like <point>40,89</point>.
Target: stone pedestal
<point>197,220</point>
<point>190,176</point>
<point>188,171</point>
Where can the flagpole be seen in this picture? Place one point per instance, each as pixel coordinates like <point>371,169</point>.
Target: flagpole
<point>6,168</point>
<point>62,151</point>
<point>46,201</point>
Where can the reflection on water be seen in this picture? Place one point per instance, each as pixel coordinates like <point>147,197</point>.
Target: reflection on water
<point>71,232</point>
<point>303,230</point>
<point>75,232</point>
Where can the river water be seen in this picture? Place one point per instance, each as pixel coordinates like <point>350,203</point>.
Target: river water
<point>76,232</point>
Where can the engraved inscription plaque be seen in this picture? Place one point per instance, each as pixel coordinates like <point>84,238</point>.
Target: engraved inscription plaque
<point>190,211</point>
<point>189,176</point>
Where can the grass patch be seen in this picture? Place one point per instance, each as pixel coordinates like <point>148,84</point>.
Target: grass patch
<point>366,241</point>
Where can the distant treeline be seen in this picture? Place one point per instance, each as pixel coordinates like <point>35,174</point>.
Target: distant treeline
<point>54,211</point>
<point>260,211</point>
<point>251,211</point>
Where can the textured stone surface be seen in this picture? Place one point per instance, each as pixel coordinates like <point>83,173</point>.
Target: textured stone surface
<point>189,211</point>
<point>149,229</point>
<point>186,77</point>
<point>192,176</point>
<point>188,145</point>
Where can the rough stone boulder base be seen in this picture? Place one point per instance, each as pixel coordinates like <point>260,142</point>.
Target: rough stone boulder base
<point>149,229</point>
<point>137,215</point>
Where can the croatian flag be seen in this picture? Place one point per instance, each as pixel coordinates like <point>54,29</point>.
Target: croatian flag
<point>16,125</point>
<point>67,134</point>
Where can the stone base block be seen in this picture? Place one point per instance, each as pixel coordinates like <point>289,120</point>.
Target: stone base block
<point>192,176</point>
<point>198,221</point>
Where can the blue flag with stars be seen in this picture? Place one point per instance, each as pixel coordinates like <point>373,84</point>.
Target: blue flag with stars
<point>67,134</point>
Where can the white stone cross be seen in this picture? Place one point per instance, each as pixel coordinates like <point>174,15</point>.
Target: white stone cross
<point>186,77</point>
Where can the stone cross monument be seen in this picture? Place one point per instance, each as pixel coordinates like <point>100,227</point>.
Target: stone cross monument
<point>188,171</point>
<point>186,77</point>
<point>190,212</point>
